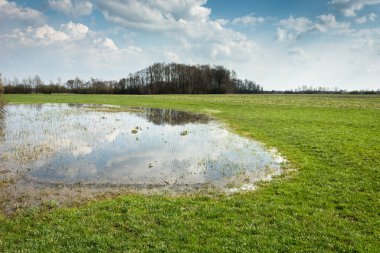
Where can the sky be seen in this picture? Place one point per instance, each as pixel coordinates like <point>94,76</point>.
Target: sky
<point>280,44</point>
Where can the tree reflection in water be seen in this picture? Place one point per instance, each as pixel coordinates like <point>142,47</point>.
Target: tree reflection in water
<point>172,117</point>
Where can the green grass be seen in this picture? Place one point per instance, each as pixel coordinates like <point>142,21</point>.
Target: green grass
<point>331,204</point>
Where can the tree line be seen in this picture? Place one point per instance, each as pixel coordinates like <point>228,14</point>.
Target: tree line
<point>323,90</point>
<point>159,78</point>
<point>162,78</point>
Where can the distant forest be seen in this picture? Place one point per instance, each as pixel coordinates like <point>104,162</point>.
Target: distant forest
<point>159,78</point>
<point>162,78</point>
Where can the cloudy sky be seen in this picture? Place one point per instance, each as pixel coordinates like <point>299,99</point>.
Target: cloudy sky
<point>281,44</point>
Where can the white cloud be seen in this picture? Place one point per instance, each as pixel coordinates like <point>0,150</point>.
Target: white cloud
<point>154,15</point>
<point>222,21</point>
<point>317,64</point>
<point>212,41</point>
<point>349,8</point>
<point>250,20</point>
<point>367,40</point>
<point>109,44</point>
<point>75,31</point>
<point>44,35</point>
<point>367,18</point>
<point>372,17</point>
<point>328,22</point>
<point>68,50</point>
<point>106,43</point>
<point>188,21</point>
<point>10,11</point>
<point>72,7</point>
<point>296,51</point>
<point>291,29</point>
<point>282,35</point>
<point>171,56</point>
<point>298,25</point>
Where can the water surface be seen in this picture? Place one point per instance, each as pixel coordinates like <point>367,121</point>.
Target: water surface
<point>110,145</point>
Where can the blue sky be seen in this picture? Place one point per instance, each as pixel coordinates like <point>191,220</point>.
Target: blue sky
<point>279,44</point>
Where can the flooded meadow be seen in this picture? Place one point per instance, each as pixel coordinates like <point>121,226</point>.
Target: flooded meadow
<point>66,152</point>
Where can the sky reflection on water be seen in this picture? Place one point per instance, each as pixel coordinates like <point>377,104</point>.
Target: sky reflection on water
<point>105,144</point>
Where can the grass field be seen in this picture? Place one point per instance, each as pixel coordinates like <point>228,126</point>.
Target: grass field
<point>330,204</point>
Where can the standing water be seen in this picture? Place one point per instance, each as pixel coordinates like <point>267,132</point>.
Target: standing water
<point>70,144</point>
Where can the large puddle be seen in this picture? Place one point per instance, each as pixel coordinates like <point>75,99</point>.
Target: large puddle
<point>139,148</point>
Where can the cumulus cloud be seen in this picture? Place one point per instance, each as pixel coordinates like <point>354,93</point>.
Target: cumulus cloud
<point>349,8</point>
<point>367,40</point>
<point>109,44</point>
<point>72,7</point>
<point>10,11</point>
<point>367,18</point>
<point>106,43</point>
<point>45,35</point>
<point>210,40</point>
<point>103,58</point>
<point>328,23</point>
<point>250,20</point>
<point>75,31</point>
<point>69,50</point>
<point>291,29</point>
<point>153,15</point>
<point>189,21</point>
<point>222,21</point>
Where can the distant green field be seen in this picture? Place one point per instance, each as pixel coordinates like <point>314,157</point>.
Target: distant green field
<point>330,204</point>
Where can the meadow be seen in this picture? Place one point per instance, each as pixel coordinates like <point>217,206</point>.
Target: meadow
<point>328,201</point>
